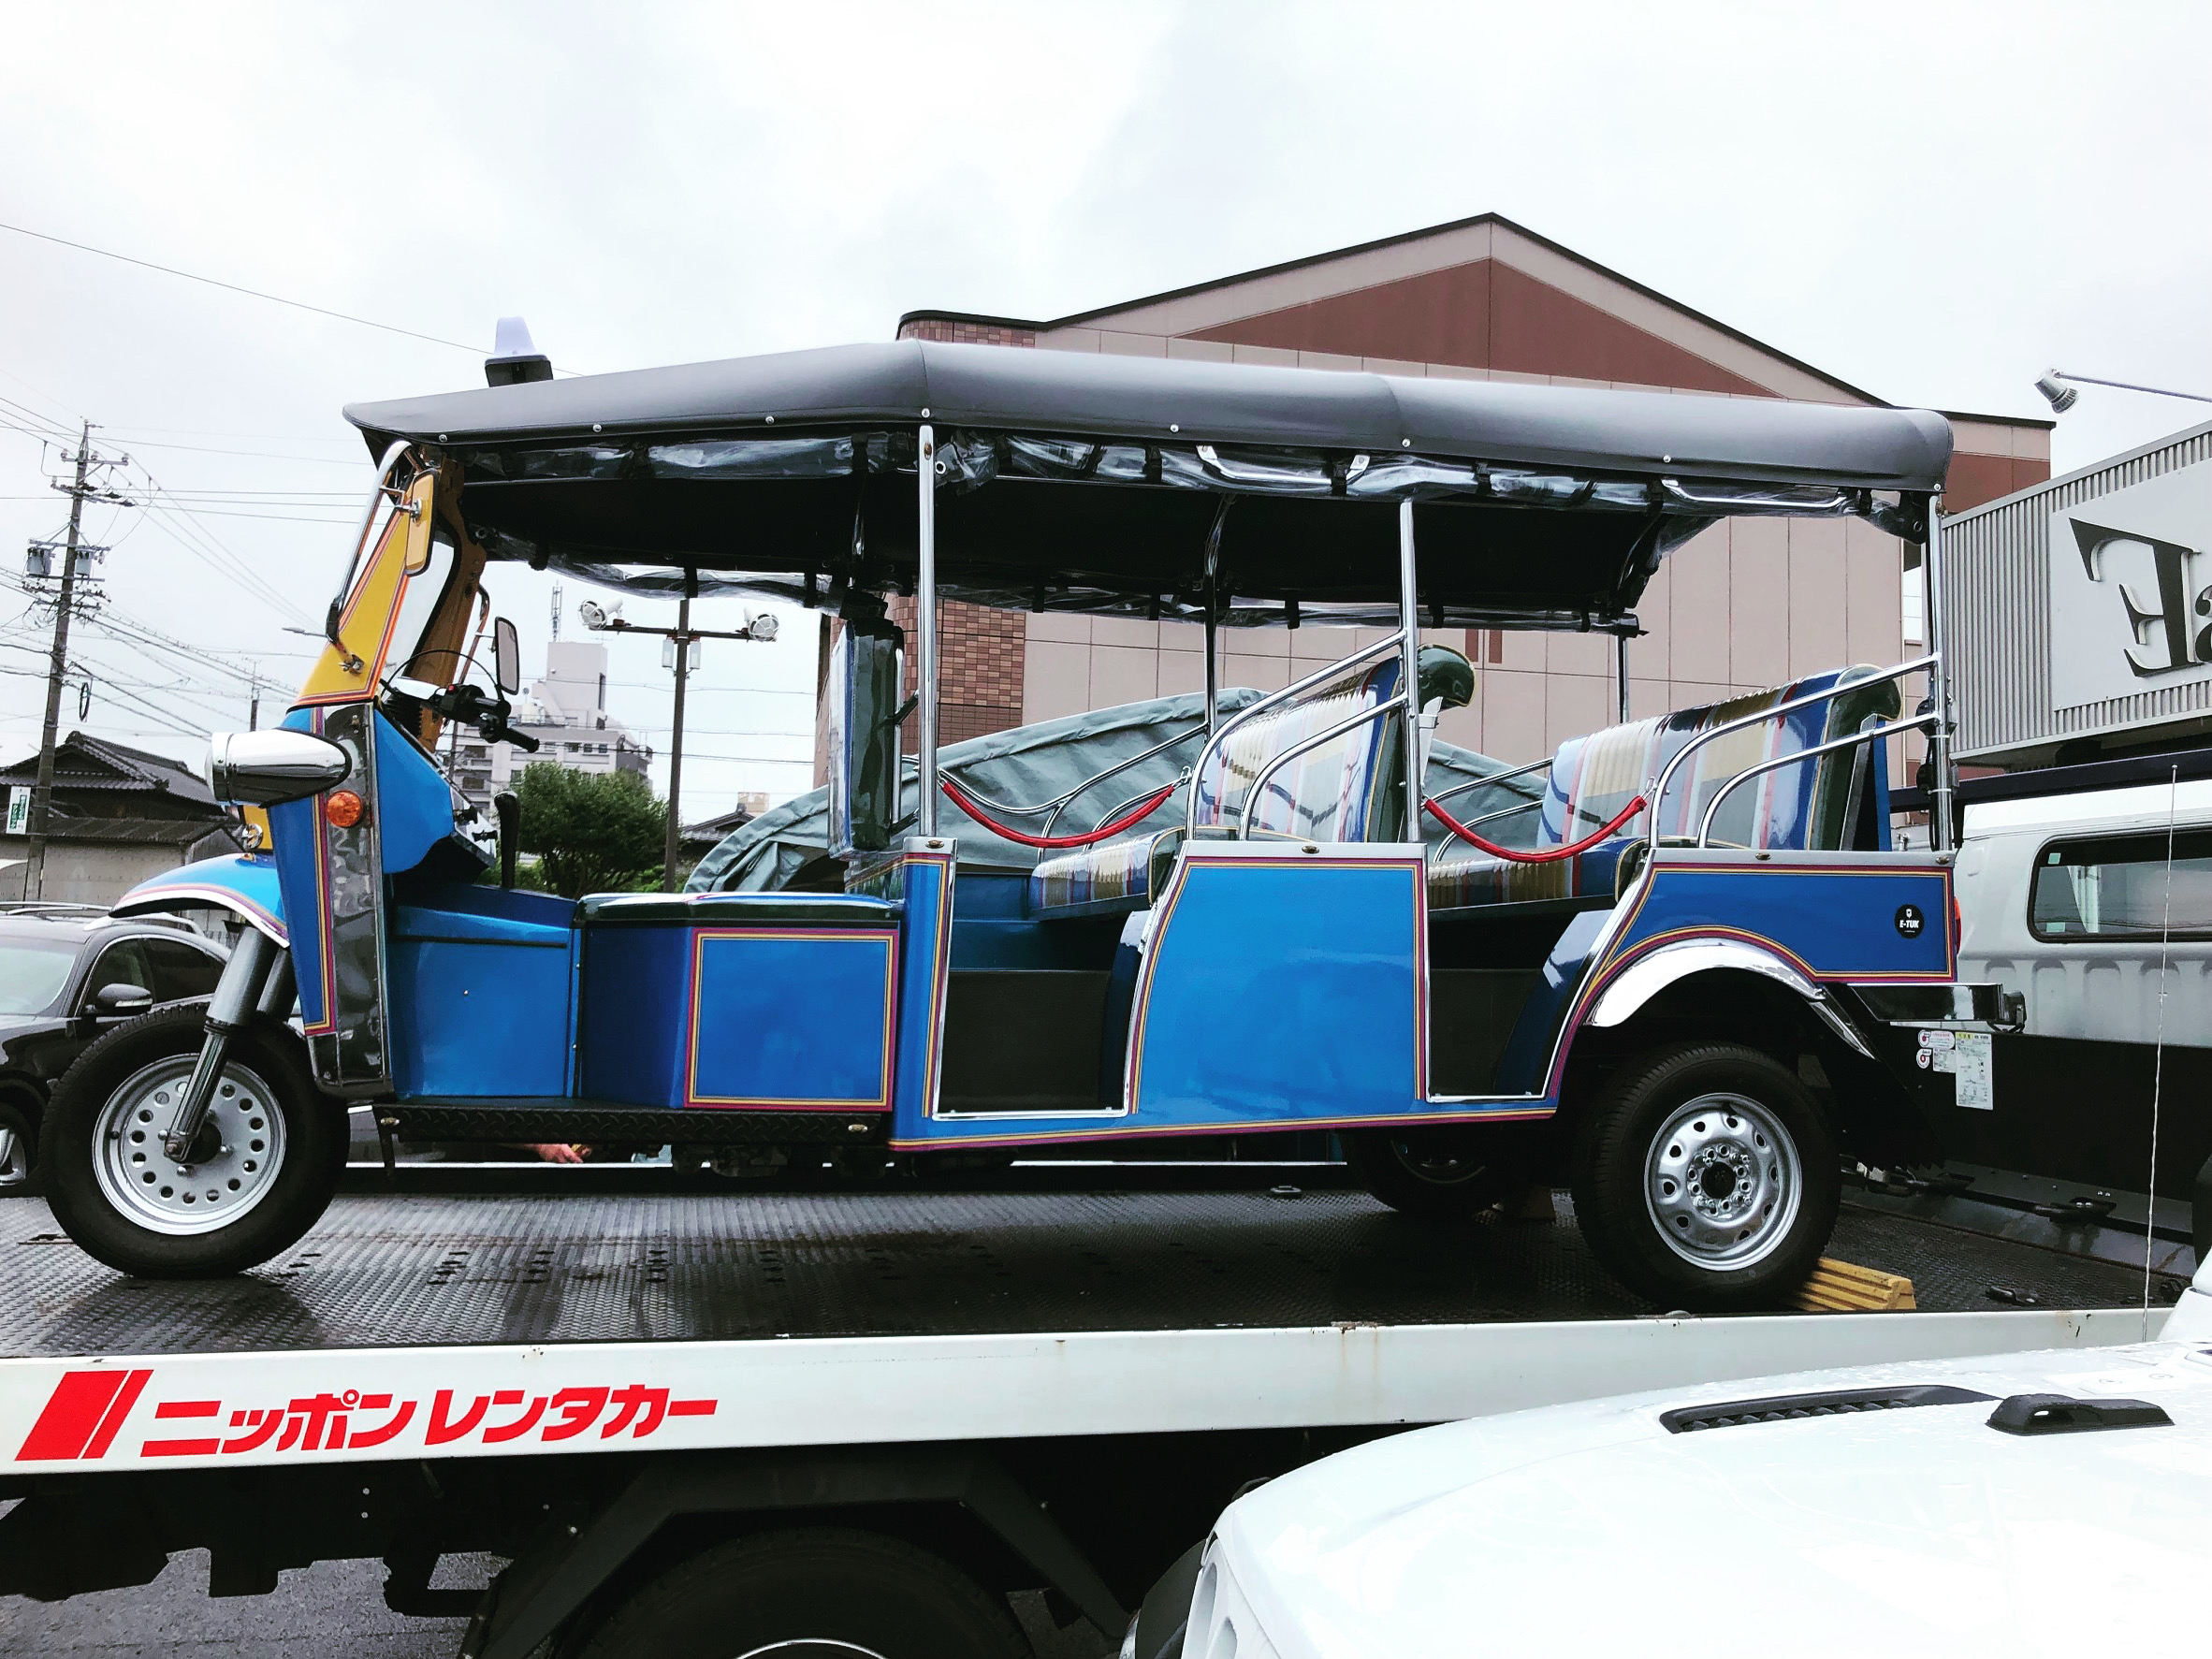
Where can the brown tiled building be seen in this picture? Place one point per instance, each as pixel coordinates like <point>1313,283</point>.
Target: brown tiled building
<point>1744,606</point>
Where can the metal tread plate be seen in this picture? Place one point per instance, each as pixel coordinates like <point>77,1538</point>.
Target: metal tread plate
<point>433,1271</point>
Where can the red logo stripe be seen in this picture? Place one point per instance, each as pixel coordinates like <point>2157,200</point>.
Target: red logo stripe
<point>131,1389</point>
<point>82,1415</point>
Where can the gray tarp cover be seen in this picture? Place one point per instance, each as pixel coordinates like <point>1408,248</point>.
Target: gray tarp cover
<point>902,382</point>
<point>1034,764</point>
<point>1070,481</point>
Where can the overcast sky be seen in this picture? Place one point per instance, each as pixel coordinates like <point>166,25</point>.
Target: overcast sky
<point>1934,202</point>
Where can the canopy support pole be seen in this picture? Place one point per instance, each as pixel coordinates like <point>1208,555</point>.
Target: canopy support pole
<point>1940,822</point>
<point>1213,614</point>
<point>1409,648</point>
<point>926,627</point>
<point>1621,678</point>
<point>1213,668</point>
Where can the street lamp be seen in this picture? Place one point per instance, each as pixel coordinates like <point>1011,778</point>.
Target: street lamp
<point>2062,397</point>
<point>759,626</point>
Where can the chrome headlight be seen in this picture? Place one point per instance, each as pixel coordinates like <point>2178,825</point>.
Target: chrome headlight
<point>267,768</point>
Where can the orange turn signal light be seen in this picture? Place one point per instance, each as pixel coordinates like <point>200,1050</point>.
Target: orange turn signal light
<point>345,808</point>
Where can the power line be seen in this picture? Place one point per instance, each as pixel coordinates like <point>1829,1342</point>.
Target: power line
<point>305,461</point>
<point>235,289</point>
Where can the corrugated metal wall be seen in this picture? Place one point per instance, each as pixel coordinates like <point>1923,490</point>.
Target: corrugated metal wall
<point>1997,586</point>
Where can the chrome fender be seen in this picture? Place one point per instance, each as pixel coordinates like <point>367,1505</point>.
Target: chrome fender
<point>242,884</point>
<point>1645,978</point>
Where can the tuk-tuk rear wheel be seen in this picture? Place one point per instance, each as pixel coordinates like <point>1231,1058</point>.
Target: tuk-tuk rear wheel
<point>1705,1178</point>
<point>269,1153</point>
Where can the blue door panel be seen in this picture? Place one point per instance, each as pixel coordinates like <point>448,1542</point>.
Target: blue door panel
<point>1281,992</point>
<point>475,1018</point>
<point>634,1014</point>
<point>792,1019</point>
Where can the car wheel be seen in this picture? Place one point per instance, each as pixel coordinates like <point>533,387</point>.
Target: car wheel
<point>1705,1179</point>
<point>819,1594</point>
<point>19,1151</point>
<point>1452,1171</point>
<point>259,1175</point>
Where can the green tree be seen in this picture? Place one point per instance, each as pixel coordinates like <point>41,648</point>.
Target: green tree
<point>595,832</point>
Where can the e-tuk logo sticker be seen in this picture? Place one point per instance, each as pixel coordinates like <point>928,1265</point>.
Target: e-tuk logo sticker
<point>87,1408</point>
<point>1910,921</point>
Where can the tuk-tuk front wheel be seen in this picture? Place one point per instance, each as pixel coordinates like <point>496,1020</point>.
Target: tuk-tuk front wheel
<point>258,1175</point>
<point>1705,1179</point>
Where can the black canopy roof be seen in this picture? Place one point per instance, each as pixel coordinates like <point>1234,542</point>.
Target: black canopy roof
<point>1093,482</point>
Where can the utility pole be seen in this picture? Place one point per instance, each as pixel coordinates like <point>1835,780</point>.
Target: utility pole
<point>761,628</point>
<point>682,642</point>
<point>58,661</point>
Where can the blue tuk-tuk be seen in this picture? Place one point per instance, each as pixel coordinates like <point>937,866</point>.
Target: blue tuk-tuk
<point>1680,961</point>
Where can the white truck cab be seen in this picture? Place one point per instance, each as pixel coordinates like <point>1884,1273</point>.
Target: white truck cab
<point>2042,1503</point>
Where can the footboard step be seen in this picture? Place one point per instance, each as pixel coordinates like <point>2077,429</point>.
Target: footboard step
<point>1841,1288</point>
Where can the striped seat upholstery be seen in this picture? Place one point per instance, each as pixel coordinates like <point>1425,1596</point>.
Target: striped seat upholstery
<point>1102,880</point>
<point>1593,778</point>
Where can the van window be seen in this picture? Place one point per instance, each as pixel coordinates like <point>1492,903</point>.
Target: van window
<point>2116,887</point>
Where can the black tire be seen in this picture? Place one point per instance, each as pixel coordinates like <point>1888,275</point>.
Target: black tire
<point>1450,1172</point>
<point>19,1163</point>
<point>818,1594</point>
<point>1732,1119</point>
<point>288,1186</point>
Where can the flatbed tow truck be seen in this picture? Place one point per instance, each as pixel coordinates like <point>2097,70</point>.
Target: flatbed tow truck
<point>1051,1384</point>
<point>1696,979</point>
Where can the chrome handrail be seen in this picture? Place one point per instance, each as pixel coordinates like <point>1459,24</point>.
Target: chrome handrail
<point>1445,794</point>
<point>1763,717</point>
<point>1288,755</point>
<point>1068,799</point>
<point>1848,740</point>
<point>1059,802</point>
<point>1323,677</point>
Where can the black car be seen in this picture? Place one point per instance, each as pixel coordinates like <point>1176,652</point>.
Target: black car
<point>68,974</point>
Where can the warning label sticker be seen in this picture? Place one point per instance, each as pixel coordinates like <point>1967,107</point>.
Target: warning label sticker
<point>1966,1056</point>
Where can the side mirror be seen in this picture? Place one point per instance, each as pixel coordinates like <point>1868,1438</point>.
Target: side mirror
<point>506,657</point>
<point>272,765</point>
<point>120,998</point>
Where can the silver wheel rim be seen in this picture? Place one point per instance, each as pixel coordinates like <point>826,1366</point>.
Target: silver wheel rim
<point>149,1187</point>
<point>1722,1182</point>
<point>15,1160</point>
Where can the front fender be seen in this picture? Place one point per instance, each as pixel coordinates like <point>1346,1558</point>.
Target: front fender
<point>243,884</point>
<point>1647,976</point>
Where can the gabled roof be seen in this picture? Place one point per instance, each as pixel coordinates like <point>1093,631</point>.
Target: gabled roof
<point>1480,267</point>
<point>83,762</point>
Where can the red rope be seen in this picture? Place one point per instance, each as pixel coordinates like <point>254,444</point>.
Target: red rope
<point>1136,814</point>
<point>1520,854</point>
